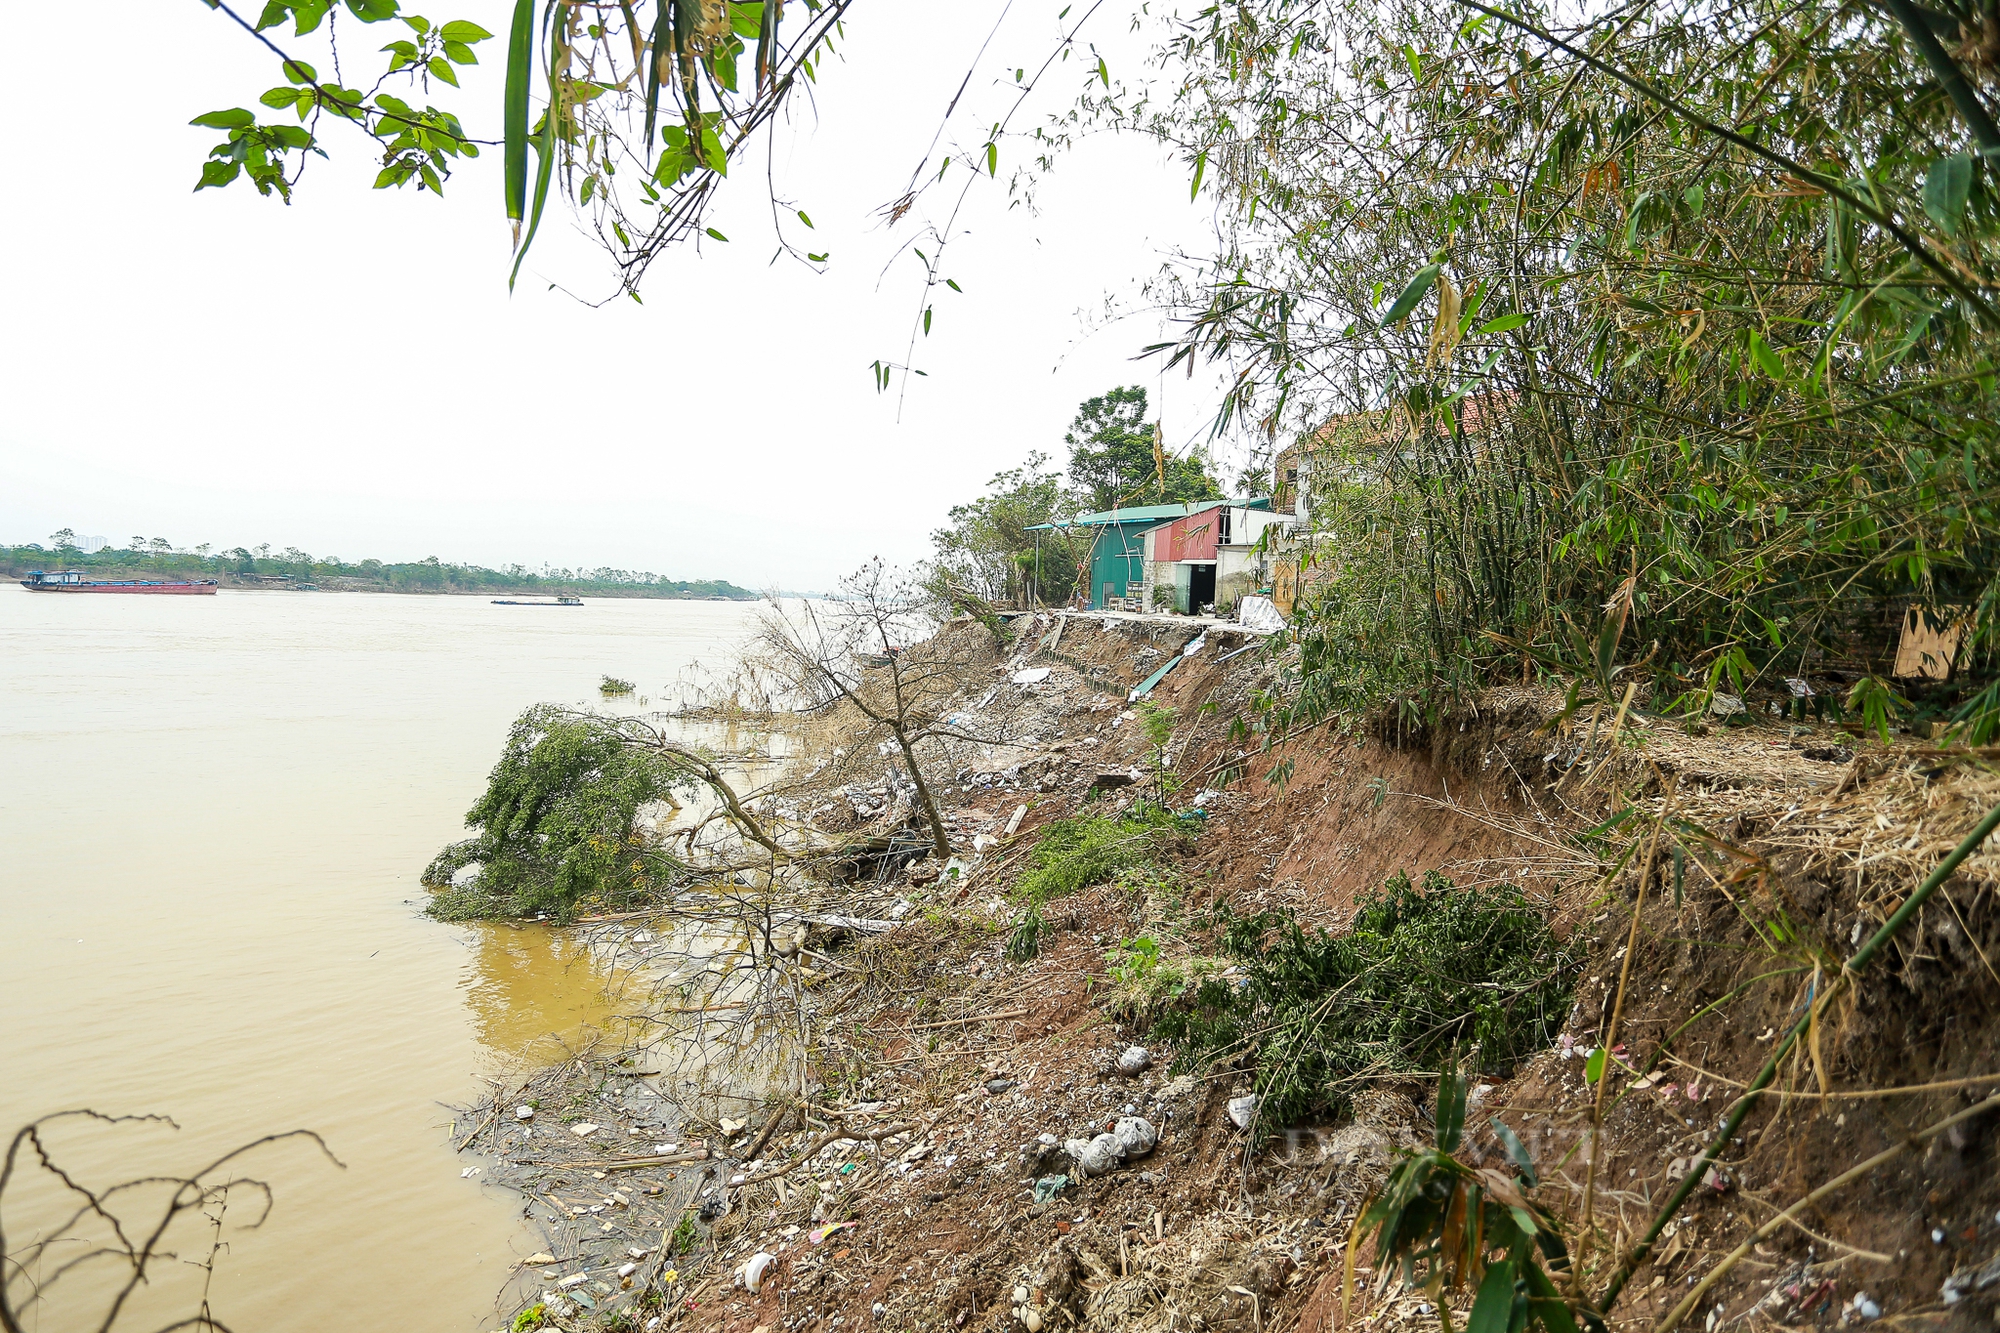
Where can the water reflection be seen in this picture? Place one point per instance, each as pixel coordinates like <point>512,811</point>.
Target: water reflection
<point>533,991</point>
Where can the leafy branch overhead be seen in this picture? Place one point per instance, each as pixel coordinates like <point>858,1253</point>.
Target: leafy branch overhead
<point>416,143</point>
<point>630,111</point>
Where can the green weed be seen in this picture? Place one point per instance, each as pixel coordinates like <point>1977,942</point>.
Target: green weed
<point>1424,970</point>
<point>1083,850</point>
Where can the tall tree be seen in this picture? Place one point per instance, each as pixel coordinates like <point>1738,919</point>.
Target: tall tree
<point>1116,457</point>
<point>995,546</point>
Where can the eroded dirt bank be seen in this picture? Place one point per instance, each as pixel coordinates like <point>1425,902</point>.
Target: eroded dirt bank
<point>948,1078</point>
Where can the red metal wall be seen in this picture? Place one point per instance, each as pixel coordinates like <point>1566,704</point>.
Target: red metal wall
<point>1192,538</point>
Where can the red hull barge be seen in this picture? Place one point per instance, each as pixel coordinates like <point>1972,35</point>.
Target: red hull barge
<point>71,580</point>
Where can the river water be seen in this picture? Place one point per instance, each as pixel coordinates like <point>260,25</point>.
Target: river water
<point>212,819</point>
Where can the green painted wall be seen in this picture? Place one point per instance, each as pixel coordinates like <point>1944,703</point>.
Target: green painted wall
<point>1118,559</point>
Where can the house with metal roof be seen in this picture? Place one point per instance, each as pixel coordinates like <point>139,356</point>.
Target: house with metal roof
<point>1212,557</point>
<point>1117,562</point>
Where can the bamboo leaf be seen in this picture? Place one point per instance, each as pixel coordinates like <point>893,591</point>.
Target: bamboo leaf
<point>1947,185</point>
<point>514,112</point>
<point>1516,1151</point>
<point>1347,1261</point>
<point>1545,1301</point>
<point>545,151</point>
<point>1493,1308</point>
<point>1413,293</point>
<point>663,27</point>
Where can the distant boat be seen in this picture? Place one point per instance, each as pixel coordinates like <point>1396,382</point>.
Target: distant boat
<point>560,601</point>
<point>72,580</point>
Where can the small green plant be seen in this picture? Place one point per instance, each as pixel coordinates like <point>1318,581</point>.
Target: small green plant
<point>530,1318</point>
<point>1144,980</point>
<point>1444,1222</point>
<point>686,1237</point>
<point>1157,721</point>
<point>1426,969</point>
<point>1080,851</point>
<point>1134,962</point>
<point>613,685</point>
<point>1878,703</point>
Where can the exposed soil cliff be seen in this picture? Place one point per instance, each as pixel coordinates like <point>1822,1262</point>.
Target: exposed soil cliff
<point>1768,849</point>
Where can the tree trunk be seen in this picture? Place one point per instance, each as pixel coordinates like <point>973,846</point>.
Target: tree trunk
<point>939,843</point>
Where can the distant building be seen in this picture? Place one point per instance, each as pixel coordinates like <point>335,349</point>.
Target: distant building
<point>1208,552</point>
<point>1212,556</point>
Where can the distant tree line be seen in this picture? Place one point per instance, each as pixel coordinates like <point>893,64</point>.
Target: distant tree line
<point>156,557</point>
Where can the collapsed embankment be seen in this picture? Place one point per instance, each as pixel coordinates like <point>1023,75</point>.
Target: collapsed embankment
<point>928,1176</point>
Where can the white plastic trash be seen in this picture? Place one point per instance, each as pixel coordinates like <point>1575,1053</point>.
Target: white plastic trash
<point>1259,613</point>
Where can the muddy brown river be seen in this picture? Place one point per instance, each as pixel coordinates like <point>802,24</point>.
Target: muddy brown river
<point>213,815</point>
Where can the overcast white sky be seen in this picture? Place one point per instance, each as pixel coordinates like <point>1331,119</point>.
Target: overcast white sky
<point>349,375</point>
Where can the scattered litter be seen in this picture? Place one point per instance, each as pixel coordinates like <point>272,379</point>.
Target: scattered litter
<point>1014,821</point>
<point>1096,1157</point>
<point>1195,645</point>
<point>1031,676</point>
<point>1049,1186</point>
<point>538,1260</point>
<point>584,1130</point>
<point>573,1280</point>
<point>1136,1135</point>
<point>1243,1110</point>
<point>753,1270</point>
<point>524,1113</point>
<point>818,1235</point>
<point>468,1173</point>
<point>1260,614</point>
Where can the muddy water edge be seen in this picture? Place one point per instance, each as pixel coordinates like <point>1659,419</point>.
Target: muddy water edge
<point>215,817</point>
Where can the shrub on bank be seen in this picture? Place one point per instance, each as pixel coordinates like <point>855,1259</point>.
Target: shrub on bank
<point>559,825</point>
<point>1427,969</point>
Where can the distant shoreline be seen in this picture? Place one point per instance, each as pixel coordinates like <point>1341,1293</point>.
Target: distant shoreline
<point>621,594</point>
<point>240,569</point>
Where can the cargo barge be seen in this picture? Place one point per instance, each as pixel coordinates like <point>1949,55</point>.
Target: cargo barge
<point>72,580</point>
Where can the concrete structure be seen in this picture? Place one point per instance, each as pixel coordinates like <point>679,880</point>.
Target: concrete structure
<point>1211,556</point>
